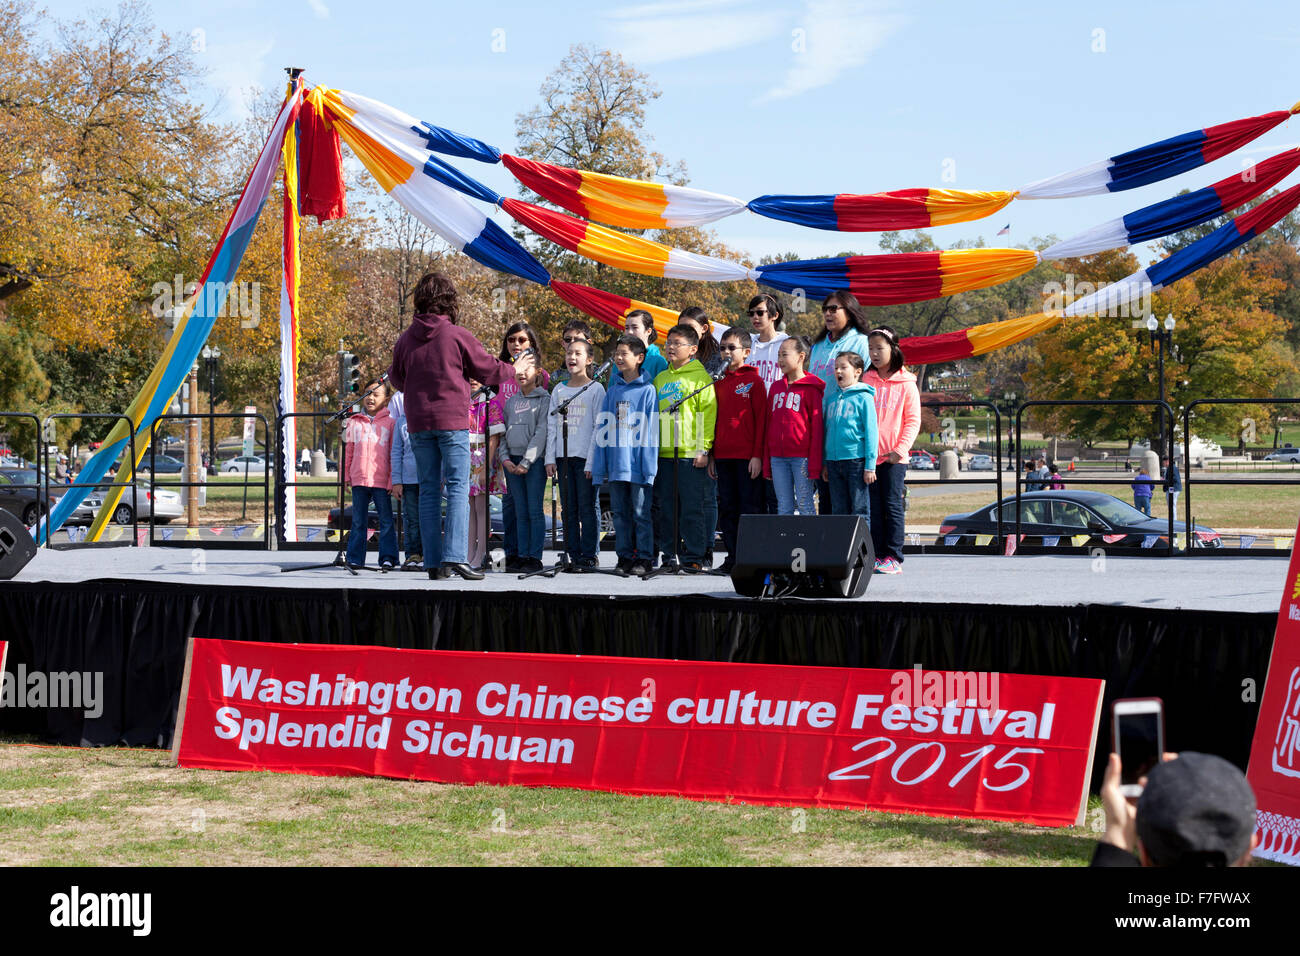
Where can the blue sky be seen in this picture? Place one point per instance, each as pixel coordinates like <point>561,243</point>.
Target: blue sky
<point>810,96</point>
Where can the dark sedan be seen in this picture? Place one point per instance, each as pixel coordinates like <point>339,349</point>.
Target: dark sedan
<point>1103,519</point>
<point>21,494</point>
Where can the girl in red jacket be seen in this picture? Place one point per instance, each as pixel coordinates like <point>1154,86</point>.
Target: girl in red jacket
<point>898,419</point>
<point>792,457</point>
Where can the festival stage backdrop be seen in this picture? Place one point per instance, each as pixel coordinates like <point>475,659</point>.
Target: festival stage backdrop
<point>996,746</point>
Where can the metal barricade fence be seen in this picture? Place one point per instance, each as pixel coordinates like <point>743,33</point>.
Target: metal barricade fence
<point>121,508</point>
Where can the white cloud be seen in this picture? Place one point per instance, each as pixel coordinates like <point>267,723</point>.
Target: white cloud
<point>838,35</point>
<point>236,69</point>
<point>318,7</point>
<point>676,30</point>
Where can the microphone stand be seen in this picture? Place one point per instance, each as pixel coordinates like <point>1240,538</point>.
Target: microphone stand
<point>562,562</point>
<point>677,567</point>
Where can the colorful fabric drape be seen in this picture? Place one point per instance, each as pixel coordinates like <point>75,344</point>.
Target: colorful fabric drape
<point>1181,212</point>
<point>290,269</point>
<point>321,192</point>
<point>899,277</point>
<point>396,156</point>
<point>1158,161</point>
<point>613,309</point>
<point>1186,261</point>
<point>639,204</point>
<point>191,332</point>
<point>976,340</point>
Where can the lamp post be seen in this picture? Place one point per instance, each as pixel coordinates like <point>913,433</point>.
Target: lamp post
<point>1009,400</point>
<point>1161,338</point>
<point>210,356</point>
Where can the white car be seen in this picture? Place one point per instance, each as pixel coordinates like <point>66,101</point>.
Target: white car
<point>921,463</point>
<point>1289,453</point>
<point>250,463</point>
<point>162,503</point>
<point>980,463</point>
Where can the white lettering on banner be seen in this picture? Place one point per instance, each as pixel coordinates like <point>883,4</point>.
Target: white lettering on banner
<point>350,732</point>
<point>956,719</point>
<point>495,700</point>
<point>936,761</point>
<point>421,738</point>
<point>379,697</point>
<point>76,909</point>
<point>750,711</point>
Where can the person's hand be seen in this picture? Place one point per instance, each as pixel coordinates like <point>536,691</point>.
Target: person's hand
<point>1121,813</point>
<point>713,470</point>
<point>894,458</point>
<point>550,471</point>
<point>587,473</point>
<point>755,467</point>
<point>397,492</point>
<point>702,460</point>
<point>868,477</point>
<point>526,366</point>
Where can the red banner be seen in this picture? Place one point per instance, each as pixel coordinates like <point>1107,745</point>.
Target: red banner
<point>996,746</point>
<point>1274,769</point>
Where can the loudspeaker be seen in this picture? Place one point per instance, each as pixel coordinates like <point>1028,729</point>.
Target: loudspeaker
<point>16,545</point>
<point>807,555</point>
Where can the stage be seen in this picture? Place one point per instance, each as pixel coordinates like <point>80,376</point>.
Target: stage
<point>1192,630</point>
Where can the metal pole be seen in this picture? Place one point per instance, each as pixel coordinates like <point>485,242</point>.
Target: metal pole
<point>191,450</point>
<point>212,413</point>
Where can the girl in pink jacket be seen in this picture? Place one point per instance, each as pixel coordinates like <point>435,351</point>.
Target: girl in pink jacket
<point>898,419</point>
<point>369,437</point>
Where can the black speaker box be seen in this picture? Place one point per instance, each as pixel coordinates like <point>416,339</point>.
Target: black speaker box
<point>804,555</point>
<point>16,545</point>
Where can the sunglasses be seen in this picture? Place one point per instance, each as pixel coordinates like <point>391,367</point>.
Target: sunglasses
<point>758,312</point>
<point>570,339</point>
<point>830,309</point>
<point>730,348</point>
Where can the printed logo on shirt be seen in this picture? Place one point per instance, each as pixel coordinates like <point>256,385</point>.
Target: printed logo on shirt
<point>788,400</point>
<point>744,389</point>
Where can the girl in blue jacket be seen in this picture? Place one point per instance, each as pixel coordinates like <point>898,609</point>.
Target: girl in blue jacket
<point>850,460</point>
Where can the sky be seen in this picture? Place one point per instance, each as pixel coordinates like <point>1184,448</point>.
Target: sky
<point>812,96</point>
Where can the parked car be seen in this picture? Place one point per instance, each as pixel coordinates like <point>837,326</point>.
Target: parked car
<point>21,494</point>
<point>921,461</point>
<point>1065,514</point>
<point>252,464</point>
<point>980,463</point>
<point>162,503</point>
<point>163,465</point>
<point>1289,453</point>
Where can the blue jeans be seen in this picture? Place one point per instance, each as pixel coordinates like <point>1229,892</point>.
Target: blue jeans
<point>361,498</point>
<point>578,499</point>
<point>442,458</point>
<point>530,516</point>
<point>886,495</point>
<point>634,538</point>
<point>849,495</point>
<point>509,520</point>
<point>793,486</point>
<point>1143,504</point>
<point>411,519</point>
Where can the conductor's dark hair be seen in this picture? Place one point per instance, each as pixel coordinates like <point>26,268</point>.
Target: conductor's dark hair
<point>436,295</point>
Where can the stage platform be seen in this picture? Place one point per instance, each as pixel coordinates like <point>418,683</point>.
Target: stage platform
<point>1192,630</point>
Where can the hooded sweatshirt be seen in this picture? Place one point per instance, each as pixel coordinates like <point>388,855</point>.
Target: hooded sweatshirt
<point>369,464</point>
<point>433,361</point>
<point>795,423</point>
<point>851,426</point>
<point>822,361</point>
<point>742,414</point>
<point>698,416</point>
<point>898,411</point>
<point>625,446</point>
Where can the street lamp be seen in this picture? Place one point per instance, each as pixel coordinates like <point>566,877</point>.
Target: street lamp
<point>210,356</point>
<point>1009,399</point>
<point>1161,338</point>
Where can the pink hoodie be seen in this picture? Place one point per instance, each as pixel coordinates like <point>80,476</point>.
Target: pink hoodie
<point>898,411</point>
<point>370,441</point>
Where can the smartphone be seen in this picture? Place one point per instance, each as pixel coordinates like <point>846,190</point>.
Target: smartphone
<point>1138,736</point>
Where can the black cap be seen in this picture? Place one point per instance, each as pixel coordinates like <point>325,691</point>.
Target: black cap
<point>1196,810</point>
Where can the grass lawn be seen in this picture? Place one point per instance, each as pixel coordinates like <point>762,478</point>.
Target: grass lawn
<point>1235,506</point>
<point>67,806</point>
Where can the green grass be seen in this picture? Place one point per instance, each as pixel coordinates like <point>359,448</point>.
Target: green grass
<point>128,807</point>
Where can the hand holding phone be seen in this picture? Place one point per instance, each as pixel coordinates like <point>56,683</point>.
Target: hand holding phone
<point>1138,736</point>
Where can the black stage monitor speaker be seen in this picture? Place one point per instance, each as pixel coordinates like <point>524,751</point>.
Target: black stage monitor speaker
<point>16,545</point>
<point>807,555</point>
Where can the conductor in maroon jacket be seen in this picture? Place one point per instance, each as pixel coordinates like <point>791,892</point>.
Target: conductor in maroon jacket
<point>433,361</point>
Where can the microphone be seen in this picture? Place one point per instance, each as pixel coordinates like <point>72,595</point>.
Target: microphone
<point>603,369</point>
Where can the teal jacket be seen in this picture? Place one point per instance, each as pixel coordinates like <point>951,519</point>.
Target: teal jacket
<point>851,426</point>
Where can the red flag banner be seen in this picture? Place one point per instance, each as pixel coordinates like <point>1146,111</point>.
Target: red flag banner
<point>1274,769</point>
<point>994,746</point>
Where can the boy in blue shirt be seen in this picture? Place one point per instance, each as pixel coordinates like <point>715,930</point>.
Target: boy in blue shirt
<point>625,454</point>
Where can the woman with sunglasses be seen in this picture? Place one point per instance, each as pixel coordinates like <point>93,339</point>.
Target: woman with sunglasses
<point>519,336</point>
<point>844,330</point>
<point>898,419</point>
